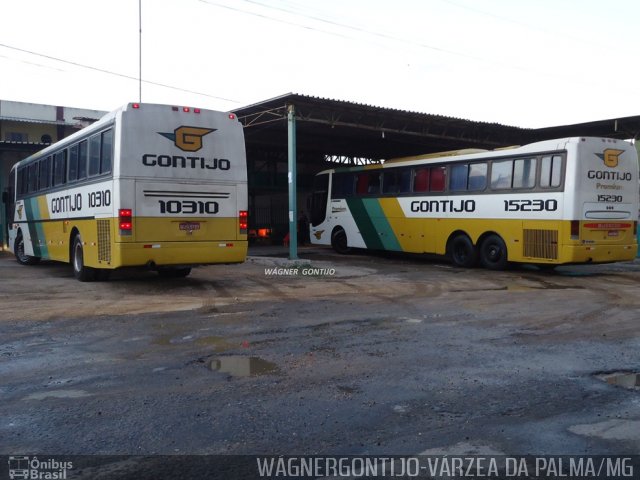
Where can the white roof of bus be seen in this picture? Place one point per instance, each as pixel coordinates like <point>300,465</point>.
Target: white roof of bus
<point>478,154</point>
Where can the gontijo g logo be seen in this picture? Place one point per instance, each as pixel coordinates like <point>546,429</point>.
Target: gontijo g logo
<point>188,139</point>
<point>610,157</point>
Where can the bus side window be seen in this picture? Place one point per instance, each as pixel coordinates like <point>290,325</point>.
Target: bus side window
<point>33,177</point>
<point>438,179</point>
<point>501,174</point>
<point>478,176</point>
<point>421,180</point>
<point>60,168</point>
<point>551,171</point>
<point>73,163</point>
<point>362,184</point>
<point>319,199</point>
<point>373,187</point>
<point>45,173</point>
<point>21,181</point>
<point>342,185</point>
<point>94,155</point>
<point>405,180</point>
<point>459,176</point>
<point>524,173</point>
<point>390,181</point>
<point>337,182</point>
<point>82,160</point>
<point>106,154</point>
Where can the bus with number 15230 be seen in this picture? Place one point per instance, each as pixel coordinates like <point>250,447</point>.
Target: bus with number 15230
<point>565,201</point>
<point>147,185</point>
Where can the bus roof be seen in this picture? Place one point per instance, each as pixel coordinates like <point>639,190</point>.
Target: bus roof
<point>94,127</point>
<point>476,153</point>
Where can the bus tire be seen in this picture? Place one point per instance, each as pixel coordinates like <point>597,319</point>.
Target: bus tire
<point>339,241</point>
<point>493,253</point>
<point>174,272</point>
<point>462,251</point>
<point>21,257</point>
<point>80,270</point>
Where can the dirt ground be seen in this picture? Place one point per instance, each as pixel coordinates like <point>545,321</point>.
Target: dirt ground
<point>369,353</point>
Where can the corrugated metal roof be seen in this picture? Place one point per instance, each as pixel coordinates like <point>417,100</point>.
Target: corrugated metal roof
<point>338,127</point>
<point>34,120</point>
<point>292,97</point>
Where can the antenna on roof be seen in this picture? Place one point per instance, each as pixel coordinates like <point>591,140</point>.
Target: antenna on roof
<point>139,51</point>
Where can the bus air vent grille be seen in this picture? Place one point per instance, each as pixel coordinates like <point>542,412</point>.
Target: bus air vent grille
<point>541,244</point>
<point>104,241</point>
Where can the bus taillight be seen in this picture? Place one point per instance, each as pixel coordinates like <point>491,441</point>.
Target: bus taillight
<point>575,229</point>
<point>125,221</point>
<point>243,217</point>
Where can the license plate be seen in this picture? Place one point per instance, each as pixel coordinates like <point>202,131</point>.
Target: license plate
<point>613,233</point>
<point>189,226</point>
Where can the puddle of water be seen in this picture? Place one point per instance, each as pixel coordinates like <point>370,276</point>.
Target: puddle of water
<point>239,366</point>
<point>58,394</point>
<point>621,379</point>
<point>219,343</point>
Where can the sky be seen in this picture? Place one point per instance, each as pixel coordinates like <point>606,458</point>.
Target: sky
<point>527,63</point>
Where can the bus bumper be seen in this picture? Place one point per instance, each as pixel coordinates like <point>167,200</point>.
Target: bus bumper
<point>178,253</point>
<point>598,253</point>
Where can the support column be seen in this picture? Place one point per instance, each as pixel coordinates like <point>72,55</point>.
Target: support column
<point>293,193</point>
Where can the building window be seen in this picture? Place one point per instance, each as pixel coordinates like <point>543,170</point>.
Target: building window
<point>16,137</point>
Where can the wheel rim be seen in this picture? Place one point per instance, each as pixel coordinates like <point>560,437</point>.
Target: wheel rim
<point>77,257</point>
<point>20,250</point>
<point>494,253</point>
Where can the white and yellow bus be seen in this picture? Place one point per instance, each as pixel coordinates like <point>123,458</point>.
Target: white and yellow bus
<point>147,185</point>
<point>566,201</point>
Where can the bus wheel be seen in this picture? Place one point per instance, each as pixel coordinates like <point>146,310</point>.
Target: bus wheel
<point>21,257</point>
<point>177,272</point>
<point>339,241</point>
<point>463,253</point>
<point>493,253</point>
<point>80,271</point>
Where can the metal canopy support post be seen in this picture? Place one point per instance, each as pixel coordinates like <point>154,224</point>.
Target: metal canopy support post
<point>293,218</point>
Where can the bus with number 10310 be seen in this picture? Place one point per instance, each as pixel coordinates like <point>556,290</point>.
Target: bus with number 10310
<point>565,201</point>
<point>147,185</point>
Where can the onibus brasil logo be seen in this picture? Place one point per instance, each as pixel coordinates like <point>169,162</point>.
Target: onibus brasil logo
<point>188,139</point>
<point>23,467</point>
